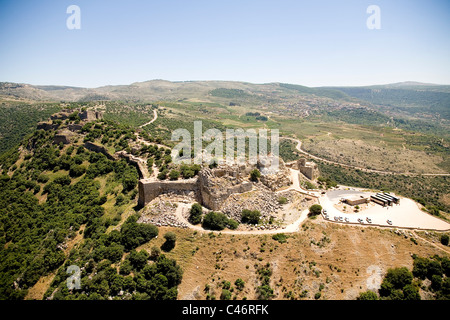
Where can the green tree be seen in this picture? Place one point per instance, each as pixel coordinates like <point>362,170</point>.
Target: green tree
<point>114,252</point>
<point>445,239</point>
<point>155,253</point>
<point>411,292</point>
<point>397,285</point>
<point>239,283</point>
<point>225,295</point>
<point>315,209</point>
<point>134,234</point>
<point>138,260</point>
<point>368,295</point>
<point>255,174</point>
<point>174,174</point>
<point>215,221</point>
<point>420,267</point>
<point>195,214</point>
<point>171,238</point>
<point>250,217</point>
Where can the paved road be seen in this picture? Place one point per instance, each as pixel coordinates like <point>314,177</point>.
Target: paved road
<point>405,215</point>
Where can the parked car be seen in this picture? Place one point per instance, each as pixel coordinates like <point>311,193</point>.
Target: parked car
<point>346,219</point>
<point>389,222</point>
<point>369,220</point>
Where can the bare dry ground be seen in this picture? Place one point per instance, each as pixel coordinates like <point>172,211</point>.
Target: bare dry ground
<point>361,154</point>
<point>336,260</point>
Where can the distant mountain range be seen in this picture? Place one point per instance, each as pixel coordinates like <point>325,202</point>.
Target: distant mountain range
<point>414,96</point>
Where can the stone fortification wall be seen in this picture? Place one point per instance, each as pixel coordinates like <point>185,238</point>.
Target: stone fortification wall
<point>150,189</point>
<point>96,148</point>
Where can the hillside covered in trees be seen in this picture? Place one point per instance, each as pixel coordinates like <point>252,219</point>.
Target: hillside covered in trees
<point>62,205</point>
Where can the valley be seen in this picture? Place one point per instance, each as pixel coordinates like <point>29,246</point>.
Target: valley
<point>92,182</point>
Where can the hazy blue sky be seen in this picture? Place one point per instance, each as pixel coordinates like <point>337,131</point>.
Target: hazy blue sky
<point>313,43</point>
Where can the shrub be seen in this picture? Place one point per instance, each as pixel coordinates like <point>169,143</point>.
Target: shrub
<point>255,175</point>
<point>315,209</point>
<point>76,170</point>
<point>265,292</point>
<point>155,253</point>
<point>134,234</point>
<point>239,283</point>
<point>171,238</point>
<point>282,200</point>
<point>368,295</point>
<point>280,237</point>
<point>444,239</point>
<point>196,212</point>
<point>217,221</point>
<point>174,174</point>
<point>232,224</point>
<point>162,175</point>
<point>250,217</point>
<point>226,295</point>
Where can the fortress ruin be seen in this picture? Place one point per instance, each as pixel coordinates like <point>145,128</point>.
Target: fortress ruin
<point>213,186</point>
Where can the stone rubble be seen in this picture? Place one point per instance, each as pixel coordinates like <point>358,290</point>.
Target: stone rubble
<point>161,213</point>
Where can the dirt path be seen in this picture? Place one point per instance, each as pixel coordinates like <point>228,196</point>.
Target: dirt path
<point>431,243</point>
<point>290,228</point>
<point>155,116</point>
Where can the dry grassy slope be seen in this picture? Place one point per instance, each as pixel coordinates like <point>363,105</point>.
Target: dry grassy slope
<point>344,265</point>
<point>362,154</point>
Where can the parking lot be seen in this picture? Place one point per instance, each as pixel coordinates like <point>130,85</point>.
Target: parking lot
<point>407,214</point>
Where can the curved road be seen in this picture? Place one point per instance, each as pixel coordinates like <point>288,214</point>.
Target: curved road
<point>293,227</point>
<point>155,116</point>
<point>299,145</point>
<point>290,228</point>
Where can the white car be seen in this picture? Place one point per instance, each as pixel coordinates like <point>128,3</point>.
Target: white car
<point>360,220</point>
<point>369,220</point>
<point>389,222</point>
<point>346,219</point>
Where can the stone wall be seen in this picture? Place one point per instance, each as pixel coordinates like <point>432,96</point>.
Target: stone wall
<point>212,187</point>
<point>150,189</point>
<point>308,169</point>
<point>47,125</point>
<point>139,163</point>
<point>91,115</point>
<point>96,148</point>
